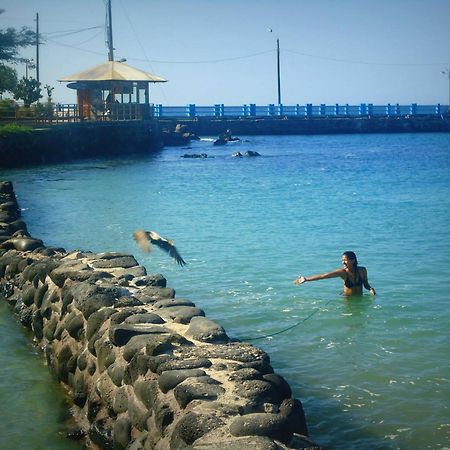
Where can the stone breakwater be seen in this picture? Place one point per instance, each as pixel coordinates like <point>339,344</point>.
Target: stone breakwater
<point>144,369</point>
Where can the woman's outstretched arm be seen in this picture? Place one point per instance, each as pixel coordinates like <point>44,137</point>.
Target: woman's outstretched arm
<point>321,276</point>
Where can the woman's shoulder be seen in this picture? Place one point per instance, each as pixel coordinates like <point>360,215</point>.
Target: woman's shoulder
<point>362,269</point>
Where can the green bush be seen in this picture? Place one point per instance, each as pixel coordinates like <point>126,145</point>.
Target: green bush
<point>7,109</point>
<point>12,128</point>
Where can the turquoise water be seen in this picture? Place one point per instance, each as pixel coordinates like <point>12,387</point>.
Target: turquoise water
<point>371,373</point>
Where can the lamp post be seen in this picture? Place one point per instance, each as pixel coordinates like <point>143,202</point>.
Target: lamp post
<point>447,72</point>
<point>278,68</point>
<point>29,64</point>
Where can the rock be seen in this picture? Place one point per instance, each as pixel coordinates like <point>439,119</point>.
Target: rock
<point>180,314</point>
<point>175,364</point>
<point>151,280</point>
<point>97,319</point>
<point>205,330</point>
<point>191,427</point>
<point>190,390</point>
<point>121,334</point>
<point>147,392</point>
<point>151,294</point>
<point>144,318</point>
<point>171,378</point>
<point>121,261</point>
<point>22,244</point>
<point>90,298</point>
<point>238,443</point>
<point>100,433</point>
<point>122,433</point>
<point>169,302</point>
<point>279,426</point>
<point>74,270</point>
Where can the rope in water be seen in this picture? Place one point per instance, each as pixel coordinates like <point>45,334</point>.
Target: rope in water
<point>285,329</point>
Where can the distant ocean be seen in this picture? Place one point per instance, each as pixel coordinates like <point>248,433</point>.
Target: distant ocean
<point>371,373</point>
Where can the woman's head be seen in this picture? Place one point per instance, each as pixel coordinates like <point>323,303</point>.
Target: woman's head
<point>350,256</point>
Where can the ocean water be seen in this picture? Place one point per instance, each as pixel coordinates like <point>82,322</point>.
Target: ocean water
<point>372,373</point>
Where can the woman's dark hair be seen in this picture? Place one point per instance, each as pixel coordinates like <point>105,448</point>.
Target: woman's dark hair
<point>352,256</point>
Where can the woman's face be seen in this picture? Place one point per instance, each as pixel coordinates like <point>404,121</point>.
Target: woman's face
<point>347,262</point>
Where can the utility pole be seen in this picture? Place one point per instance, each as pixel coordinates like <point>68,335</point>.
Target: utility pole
<point>110,35</point>
<point>278,71</point>
<point>278,67</point>
<point>37,47</point>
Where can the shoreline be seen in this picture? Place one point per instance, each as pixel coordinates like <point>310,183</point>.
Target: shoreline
<point>143,367</point>
<point>74,141</point>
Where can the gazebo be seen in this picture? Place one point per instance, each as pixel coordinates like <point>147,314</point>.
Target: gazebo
<point>112,91</point>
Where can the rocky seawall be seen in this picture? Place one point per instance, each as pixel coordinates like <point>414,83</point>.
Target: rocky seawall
<point>291,125</point>
<point>74,141</point>
<point>144,369</point>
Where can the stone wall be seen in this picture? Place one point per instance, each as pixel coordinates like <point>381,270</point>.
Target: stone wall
<point>73,141</point>
<point>145,370</point>
<point>291,125</point>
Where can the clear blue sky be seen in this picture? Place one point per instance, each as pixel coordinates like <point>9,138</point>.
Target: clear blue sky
<point>211,51</point>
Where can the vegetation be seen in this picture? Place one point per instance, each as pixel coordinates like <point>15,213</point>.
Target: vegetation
<point>28,90</point>
<point>11,41</point>
<point>12,128</point>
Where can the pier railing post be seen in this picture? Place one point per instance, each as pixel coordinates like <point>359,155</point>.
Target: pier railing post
<point>323,109</point>
<point>191,110</point>
<point>413,109</point>
<point>309,109</point>
<point>362,109</point>
<point>252,109</point>
<point>279,109</point>
<point>271,109</point>
<point>218,112</point>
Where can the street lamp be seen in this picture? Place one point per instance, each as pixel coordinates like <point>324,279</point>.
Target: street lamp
<point>278,67</point>
<point>447,72</point>
<point>29,64</point>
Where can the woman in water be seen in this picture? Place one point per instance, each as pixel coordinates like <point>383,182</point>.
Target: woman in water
<point>354,276</point>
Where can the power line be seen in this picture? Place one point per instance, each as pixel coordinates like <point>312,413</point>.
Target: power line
<point>368,63</point>
<point>76,48</point>
<point>209,61</point>
<point>63,33</point>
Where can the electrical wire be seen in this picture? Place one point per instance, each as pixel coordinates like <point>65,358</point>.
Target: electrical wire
<point>208,61</point>
<point>367,63</point>
<point>69,32</point>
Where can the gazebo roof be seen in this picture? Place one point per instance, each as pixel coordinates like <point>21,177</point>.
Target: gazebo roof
<point>113,71</point>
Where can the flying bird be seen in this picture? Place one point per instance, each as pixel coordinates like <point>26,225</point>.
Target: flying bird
<point>145,239</point>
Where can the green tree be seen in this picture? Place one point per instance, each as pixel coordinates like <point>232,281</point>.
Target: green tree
<point>11,41</point>
<point>8,79</point>
<point>28,90</point>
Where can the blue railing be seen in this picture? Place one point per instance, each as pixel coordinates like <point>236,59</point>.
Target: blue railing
<point>308,110</point>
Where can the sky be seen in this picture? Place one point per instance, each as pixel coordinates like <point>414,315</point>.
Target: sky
<point>211,51</point>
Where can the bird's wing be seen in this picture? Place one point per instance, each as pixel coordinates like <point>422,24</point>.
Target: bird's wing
<point>141,237</point>
<point>145,239</point>
<point>167,245</point>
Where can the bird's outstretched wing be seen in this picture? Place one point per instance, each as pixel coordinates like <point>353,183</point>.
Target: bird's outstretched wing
<point>145,239</point>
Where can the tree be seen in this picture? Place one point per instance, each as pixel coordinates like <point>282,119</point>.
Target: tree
<point>8,79</point>
<point>11,41</point>
<point>28,90</point>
